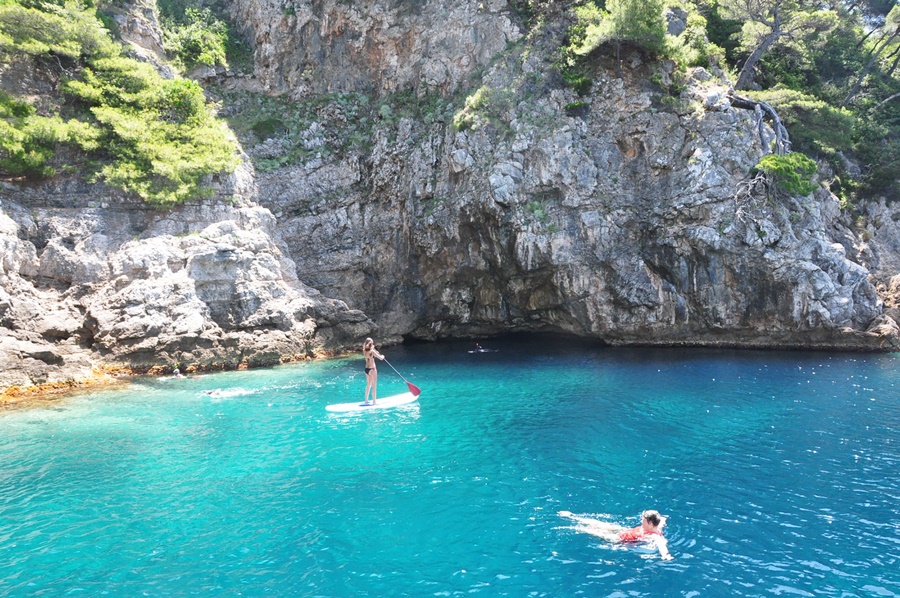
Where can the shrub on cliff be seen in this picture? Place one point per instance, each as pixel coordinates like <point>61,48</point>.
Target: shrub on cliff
<point>64,30</point>
<point>28,141</point>
<point>815,125</point>
<point>790,173</point>
<point>199,39</point>
<point>160,133</point>
<point>640,22</point>
<point>148,135</point>
<point>692,47</point>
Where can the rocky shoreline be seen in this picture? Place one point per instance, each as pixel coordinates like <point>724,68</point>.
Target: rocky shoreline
<point>89,285</point>
<point>111,376</point>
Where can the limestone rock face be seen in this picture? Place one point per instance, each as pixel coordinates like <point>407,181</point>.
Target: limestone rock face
<point>622,220</point>
<point>305,47</point>
<point>85,283</point>
<point>138,26</point>
<point>872,238</point>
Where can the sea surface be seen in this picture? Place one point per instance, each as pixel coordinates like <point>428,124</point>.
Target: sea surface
<point>779,471</point>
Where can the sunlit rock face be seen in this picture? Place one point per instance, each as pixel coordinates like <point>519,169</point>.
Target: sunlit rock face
<point>618,216</point>
<point>90,279</point>
<point>307,47</point>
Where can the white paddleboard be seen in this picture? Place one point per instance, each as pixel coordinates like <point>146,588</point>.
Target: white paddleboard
<point>383,403</point>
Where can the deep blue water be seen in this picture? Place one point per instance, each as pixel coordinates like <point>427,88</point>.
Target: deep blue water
<point>780,473</point>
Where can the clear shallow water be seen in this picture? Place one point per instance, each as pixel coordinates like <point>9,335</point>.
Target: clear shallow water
<point>780,473</point>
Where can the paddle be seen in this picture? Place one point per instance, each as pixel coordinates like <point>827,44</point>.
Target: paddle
<point>412,387</point>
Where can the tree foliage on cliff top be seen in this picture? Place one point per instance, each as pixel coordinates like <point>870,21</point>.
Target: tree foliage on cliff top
<point>839,93</point>
<point>147,135</point>
<point>638,23</point>
<point>198,34</point>
<point>832,70</point>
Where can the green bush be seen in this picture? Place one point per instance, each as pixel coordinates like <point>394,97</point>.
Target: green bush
<point>20,153</point>
<point>151,136</point>
<point>640,22</point>
<point>589,30</point>
<point>28,141</point>
<point>468,117</point>
<point>692,47</point>
<point>201,40</point>
<point>791,173</point>
<point>159,132</point>
<point>575,78</point>
<point>787,69</point>
<point>67,30</point>
<point>720,30</point>
<point>195,36</point>
<point>878,144</point>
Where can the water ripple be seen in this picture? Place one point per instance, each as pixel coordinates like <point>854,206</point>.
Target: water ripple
<point>778,473</point>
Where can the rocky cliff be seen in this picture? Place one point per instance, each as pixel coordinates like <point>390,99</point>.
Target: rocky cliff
<point>618,216</point>
<point>315,47</point>
<point>90,281</point>
<point>511,204</point>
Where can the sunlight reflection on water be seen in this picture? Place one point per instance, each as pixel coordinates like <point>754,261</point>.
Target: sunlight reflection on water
<point>778,472</point>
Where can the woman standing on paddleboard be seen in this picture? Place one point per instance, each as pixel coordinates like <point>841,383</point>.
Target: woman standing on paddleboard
<point>370,353</point>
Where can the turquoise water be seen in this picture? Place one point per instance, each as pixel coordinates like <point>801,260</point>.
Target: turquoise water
<point>780,473</point>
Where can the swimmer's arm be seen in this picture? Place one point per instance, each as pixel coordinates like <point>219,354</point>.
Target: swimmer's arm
<point>663,546</point>
<point>581,520</point>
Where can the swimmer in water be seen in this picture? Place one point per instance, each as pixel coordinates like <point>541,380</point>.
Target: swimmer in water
<point>649,531</point>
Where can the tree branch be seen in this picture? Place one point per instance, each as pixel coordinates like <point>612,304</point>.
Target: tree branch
<point>762,110</point>
<point>876,52</point>
<point>891,70</point>
<point>885,101</point>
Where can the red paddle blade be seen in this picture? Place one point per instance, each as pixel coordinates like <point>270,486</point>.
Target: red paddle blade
<point>414,389</point>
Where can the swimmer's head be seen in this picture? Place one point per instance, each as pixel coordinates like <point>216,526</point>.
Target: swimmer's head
<point>653,518</point>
